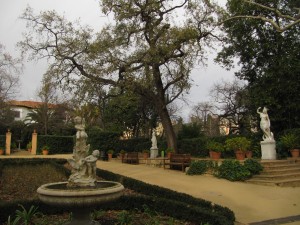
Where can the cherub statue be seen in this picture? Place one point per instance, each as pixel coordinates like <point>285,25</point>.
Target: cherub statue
<point>91,164</point>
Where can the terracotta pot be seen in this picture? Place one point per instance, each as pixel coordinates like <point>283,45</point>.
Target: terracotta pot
<point>295,153</point>
<point>109,156</point>
<point>240,155</point>
<point>122,156</point>
<point>145,155</point>
<point>1,151</point>
<point>215,155</point>
<point>45,152</point>
<point>249,154</point>
<point>169,155</point>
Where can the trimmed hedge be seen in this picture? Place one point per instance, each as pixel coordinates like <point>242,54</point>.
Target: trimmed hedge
<point>195,146</point>
<point>2,140</point>
<point>102,140</point>
<point>57,144</point>
<point>189,202</point>
<point>111,140</point>
<point>162,200</point>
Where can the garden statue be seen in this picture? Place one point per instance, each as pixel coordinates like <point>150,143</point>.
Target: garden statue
<point>83,166</point>
<point>90,162</point>
<point>153,149</point>
<point>268,145</point>
<point>153,140</point>
<point>265,124</point>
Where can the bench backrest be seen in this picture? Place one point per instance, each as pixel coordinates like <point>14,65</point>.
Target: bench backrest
<point>180,158</point>
<point>132,155</point>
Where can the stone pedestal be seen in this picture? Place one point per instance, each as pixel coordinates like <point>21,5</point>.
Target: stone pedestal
<point>153,153</point>
<point>268,149</point>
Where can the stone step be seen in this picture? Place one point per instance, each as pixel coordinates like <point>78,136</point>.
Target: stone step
<point>281,183</point>
<point>284,173</point>
<point>278,176</point>
<point>281,171</point>
<point>279,163</point>
<point>281,167</point>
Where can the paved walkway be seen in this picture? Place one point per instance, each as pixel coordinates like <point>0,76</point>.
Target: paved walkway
<point>250,203</point>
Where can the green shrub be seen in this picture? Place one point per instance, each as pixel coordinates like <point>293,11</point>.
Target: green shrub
<point>232,170</point>
<point>197,168</point>
<point>253,166</point>
<point>24,216</point>
<point>215,146</point>
<point>237,143</point>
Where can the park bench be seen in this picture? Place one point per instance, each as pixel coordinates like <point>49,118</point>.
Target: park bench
<point>178,160</point>
<point>131,157</point>
<point>103,156</point>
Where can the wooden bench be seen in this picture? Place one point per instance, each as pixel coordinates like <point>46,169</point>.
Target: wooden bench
<point>178,160</point>
<point>103,156</point>
<point>131,157</point>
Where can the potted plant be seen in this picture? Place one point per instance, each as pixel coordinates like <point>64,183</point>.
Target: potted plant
<point>249,151</point>
<point>110,153</point>
<point>146,154</point>
<point>169,151</point>
<point>45,150</point>
<point>29,146</point>
<point>239,145</point>
<point>122,154</point>
<point>2,150</point>
<point>215,149</point>
<point>291,142</point>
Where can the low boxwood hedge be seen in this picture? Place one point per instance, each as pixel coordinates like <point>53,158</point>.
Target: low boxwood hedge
<point>165,194</point>
<point>162,200</point>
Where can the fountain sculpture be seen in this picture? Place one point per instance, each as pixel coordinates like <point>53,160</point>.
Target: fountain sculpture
<point>82,191</point>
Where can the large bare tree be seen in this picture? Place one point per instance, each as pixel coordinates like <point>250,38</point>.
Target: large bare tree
<point>150,48</point>
<point>10,68</point>
<point>9,74</point>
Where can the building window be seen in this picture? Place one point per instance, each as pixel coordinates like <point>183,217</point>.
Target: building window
<point>17,114</point>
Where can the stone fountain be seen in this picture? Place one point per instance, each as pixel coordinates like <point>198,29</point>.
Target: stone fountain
<point>82,192</point>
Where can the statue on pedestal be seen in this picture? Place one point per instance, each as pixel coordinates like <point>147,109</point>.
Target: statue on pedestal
<point>268,145</point>
<point>153,149</point>
<point>83,165</point>
<point>265,124</point>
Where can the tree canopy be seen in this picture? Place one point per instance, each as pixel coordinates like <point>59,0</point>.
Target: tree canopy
<point>268,59</point>
<point>9,82</point>
<point>147,50</point>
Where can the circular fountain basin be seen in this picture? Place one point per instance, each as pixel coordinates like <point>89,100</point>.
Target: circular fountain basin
<point>58,194</point>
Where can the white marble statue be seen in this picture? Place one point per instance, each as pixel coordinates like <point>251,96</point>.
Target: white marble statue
<point>265,124</point>
<point>153,140</point>
<point>153,149</point>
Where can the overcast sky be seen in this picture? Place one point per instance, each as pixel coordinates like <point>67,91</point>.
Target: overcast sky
<point>11,28</point>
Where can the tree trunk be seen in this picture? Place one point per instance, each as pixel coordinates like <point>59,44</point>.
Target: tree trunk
<point>168,127</point>
<point>161,108</point>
